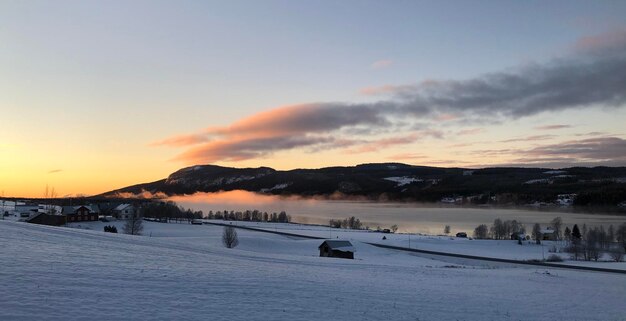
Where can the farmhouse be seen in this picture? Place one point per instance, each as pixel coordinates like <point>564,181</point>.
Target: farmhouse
<point>80,213</point>
<point>337,248</point>
<point>124,211</point>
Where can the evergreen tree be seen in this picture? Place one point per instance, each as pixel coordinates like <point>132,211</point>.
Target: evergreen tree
<point>576,233</point>
<point>567,234</point>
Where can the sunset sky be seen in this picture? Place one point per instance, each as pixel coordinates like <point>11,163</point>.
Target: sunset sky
<point>98,95</point>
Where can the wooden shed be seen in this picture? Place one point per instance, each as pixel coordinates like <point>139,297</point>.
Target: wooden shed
<point>337,248</point>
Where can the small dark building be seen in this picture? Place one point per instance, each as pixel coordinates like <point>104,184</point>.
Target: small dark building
<point>46,219</point>
<point>337,248</point>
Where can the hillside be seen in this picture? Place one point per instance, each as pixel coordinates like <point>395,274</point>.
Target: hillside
<point>604,186</point>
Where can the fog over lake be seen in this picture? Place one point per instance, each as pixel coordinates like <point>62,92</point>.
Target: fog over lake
<point>410,217</point>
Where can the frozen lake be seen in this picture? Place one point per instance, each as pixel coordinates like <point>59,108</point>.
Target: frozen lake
<point>410,217</point>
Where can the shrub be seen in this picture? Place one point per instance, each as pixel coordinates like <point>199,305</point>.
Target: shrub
<point>617,254</point>
<point>554,258</point>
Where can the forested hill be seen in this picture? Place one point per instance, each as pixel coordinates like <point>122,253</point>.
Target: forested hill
<point>395,181</point>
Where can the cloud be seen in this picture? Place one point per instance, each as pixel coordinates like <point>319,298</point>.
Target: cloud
<point>600,151</point>
<point>55,171</point>
<point>529,138</point>
<point>376,145</point>
<point>612,41</point>
<point>247,148</point>
<point>551,127</point>
<point>582,80</point>
<point>182,140</point>
<point>592,134</point>
<point>470,131</point>
<point>380,64</point>
<point>306,118</point>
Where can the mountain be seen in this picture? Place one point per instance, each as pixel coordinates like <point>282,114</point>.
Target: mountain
<point>396,181</point>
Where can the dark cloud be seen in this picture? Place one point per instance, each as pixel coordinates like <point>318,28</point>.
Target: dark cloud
<point>601,151</point>
<point>55,171</point>
<point>592,150</point>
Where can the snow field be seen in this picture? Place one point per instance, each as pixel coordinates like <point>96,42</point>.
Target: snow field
<point>183,272</point>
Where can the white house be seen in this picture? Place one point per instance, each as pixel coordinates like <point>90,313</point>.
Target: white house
<point>124,211</point>
<point>50,209</point>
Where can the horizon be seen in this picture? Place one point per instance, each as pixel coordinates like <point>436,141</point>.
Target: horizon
<point>100,96</point>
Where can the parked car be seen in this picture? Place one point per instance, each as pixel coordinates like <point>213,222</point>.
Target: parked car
<point>461,234</point>
<point>196,222</point>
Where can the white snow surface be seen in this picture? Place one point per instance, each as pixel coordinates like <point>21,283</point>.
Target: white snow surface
<point>182,272</point>
<point>275,187</point>
<point>403,180</point>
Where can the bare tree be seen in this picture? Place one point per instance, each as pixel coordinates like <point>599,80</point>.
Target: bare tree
<point>620,234</point>
<point>229,237</point>
<point>480,232</point>
<point>134,224</point>
<point>446,229</point>
<point>394,228</point>
<point>592,244</point>
<point>556,224</point>
<point>611,233</point>
<point>537,233</point>
<point>48,194</point>
<point>617,254</point>
<point>575,248</point>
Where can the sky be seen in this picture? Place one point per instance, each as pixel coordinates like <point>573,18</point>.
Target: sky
<point>98,95</point>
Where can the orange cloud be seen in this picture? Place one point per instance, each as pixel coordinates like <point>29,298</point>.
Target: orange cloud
<point>239,149</point>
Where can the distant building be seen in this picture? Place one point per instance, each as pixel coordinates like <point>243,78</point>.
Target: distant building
<point>79,213</point>
<point>124,211</point>
<point>337,248</point>
<point>548,234</point>
<point>25,210</point>
<point>50,209</point>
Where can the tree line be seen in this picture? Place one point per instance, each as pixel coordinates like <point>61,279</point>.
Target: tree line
<point>586,243</point>
<point>250,215</point>
<point>169,211</point>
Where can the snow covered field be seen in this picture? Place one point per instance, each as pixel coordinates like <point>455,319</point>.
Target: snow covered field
<point>182,272</point>
<point>506,249</point>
